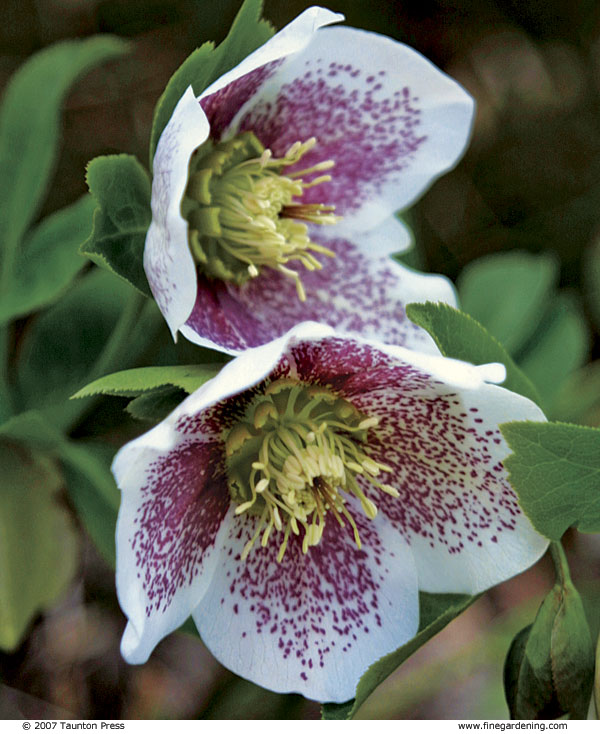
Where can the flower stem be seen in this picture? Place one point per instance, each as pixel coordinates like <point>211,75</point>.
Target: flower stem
<point>561,565</point>
<point>6,402</point>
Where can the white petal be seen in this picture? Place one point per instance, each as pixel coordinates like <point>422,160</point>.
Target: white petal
<point>488,539</point>
<point>168,261</point>
<point>390,120</point>
<point>439,430</point>
<point>353,292</point>
<point>312,623</point>
<point>290,39</point>
<point>251,366</point>
<point>389,237</point>
<point>170,521</point>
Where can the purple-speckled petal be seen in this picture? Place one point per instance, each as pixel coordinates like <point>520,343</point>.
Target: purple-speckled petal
<point>390,120</point>
<point>457,508</point>
<point>168,262</point>
<point>174,502</point>
<point>439,430</point>
<point>222,99</point>
<point>356,294</point>
<point>312,623</point>
<point>175,499</point>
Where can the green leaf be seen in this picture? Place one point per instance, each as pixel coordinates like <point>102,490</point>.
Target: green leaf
<point>508,293</point>
<point>86,471</point>
<point>337,711</point>
<point>131,383</point>
<point>550,667</point>
<point>155,405</point>
<point>37,541</point>
<point>31,428</point>
<point>578,400</point>
<point>560,347</point>
<point>207,63</point>
<point>93,492</point>
<point>591,278</point>
<point>48,261</point>
<point>121,187</point>
<point>435,612</point>
<point>459,336</point>
<point>63,347</point>
<point>29,124</point>
<point>555,471</point>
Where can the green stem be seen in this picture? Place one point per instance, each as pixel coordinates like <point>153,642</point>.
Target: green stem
<point>6,398</point>
<point>561,565</point>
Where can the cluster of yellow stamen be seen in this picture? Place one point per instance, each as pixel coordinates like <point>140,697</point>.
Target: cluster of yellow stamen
<point>294,459</point>
<point>245,214</point>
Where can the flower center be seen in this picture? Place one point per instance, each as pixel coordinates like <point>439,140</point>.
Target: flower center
<point>244,214</point>
<point>293,461</point>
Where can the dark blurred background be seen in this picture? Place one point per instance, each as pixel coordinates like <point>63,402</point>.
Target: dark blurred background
<point>529,181</point>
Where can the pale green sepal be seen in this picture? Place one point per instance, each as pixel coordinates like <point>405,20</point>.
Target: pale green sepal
<point>121,187</point>
<point>38,542</point>
<point>29,126</point>
<point>207,63</point>
<point>435,612</point>
<point>459,336</point>
<point>131,383</point>
<point>47,261</point>
<point>555,471</point>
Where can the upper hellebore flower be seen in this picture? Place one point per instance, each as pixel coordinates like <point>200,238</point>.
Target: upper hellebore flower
<point>274,192</point>
<point>295,505</point>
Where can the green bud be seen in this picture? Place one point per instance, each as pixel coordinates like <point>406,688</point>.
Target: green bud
<point>549,669</point>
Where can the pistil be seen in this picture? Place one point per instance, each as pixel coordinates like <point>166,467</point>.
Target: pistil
<point>245,211</point>
<point>294,459</point>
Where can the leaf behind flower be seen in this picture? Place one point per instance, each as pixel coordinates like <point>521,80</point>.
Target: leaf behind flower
<point>459,336</point>
<point>207,63</point>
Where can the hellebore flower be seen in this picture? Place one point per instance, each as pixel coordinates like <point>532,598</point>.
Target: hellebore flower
<point>295,504</point>
<point>274,192</point>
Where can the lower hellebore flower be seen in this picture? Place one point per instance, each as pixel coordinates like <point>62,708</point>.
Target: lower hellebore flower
<point>274,192</point>
<point>295,505</point>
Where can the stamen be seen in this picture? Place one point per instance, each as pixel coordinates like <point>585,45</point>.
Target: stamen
<point>295,458</point>
<point>245,209</point>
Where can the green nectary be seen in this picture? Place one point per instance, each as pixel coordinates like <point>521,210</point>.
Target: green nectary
<point>245,211</point>
<point>294,458</point>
